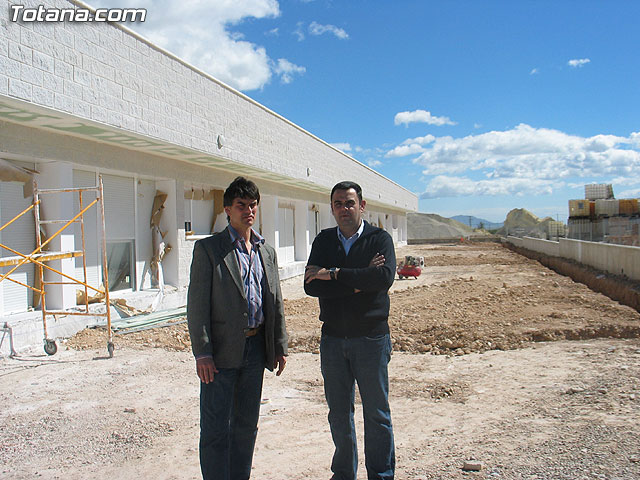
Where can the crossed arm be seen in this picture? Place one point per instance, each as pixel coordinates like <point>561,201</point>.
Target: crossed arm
<point>314,272</point>
<point>376,276</point>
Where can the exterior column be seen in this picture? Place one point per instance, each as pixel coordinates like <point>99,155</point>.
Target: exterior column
<point>301,233</point>
<point>59,206</point>
<point>269,219</point>
<point>326,218</point>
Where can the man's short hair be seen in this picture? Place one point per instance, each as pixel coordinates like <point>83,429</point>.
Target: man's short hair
<point>346,185</point>
<point>240,188</point>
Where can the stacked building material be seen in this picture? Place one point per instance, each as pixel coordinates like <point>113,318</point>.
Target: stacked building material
<point>602,218</point>
<point>607,207</point>
<point>598,191</point>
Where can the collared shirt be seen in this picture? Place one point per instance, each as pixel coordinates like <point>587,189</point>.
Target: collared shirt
<point>252,274</point>
<point>347,243</point>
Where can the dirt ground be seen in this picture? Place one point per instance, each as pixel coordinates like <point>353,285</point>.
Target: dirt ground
<point>535,377</point>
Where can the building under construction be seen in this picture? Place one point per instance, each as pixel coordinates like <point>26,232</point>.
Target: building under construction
<point>83,101</point>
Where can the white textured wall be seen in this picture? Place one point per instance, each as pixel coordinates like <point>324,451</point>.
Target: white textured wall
<point>104,73</point>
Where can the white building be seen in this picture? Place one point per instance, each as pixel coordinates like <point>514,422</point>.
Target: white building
<point>82,99</point>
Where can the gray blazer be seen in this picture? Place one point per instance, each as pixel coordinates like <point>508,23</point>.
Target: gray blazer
<point>217,310</point>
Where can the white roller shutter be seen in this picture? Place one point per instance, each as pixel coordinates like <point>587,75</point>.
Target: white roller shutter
<point>286,239</point>
<point>119,207</point>
<point>119,212</point>
<point>20,236</point>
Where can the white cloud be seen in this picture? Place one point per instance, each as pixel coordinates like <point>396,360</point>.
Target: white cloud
<point>345,147</point>
<point>203,36</point>
<point>405,150</point>
<point>625,181</point>
<point>286,70</point>
<point>521,160</point>
<point>427,139</point>
<point>445,186</point>
<point>534,71</point>
<point>633,193</point>
<point>316,29</point>
<point>421,116</point>
<point>274,32</point>
<point>374,163</point>
<point>531,152</point>
<point>299,31</point>
<point>411,146</point>
<point>578,62</point>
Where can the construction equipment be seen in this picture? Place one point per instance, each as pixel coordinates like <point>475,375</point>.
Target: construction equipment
<point>409,267</point>
<point>40,257</point>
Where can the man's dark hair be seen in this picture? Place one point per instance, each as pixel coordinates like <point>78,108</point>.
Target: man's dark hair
<point>240,188</point>
<point>346,185</point>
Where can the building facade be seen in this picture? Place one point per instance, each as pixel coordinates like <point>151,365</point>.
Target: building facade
<point>78,100</point>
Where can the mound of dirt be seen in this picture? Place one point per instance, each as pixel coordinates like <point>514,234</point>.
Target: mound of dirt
<point>470,298</point>
<point>423,226</point>
<point>522,222</point>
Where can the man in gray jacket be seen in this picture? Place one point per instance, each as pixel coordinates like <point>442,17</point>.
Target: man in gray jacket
<point>237,328</point>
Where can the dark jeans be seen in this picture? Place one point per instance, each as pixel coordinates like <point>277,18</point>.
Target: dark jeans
<point>364,360</point>
<point>229,411</point>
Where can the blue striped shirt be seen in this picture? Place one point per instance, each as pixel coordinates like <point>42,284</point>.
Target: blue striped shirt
<point>252,274</point>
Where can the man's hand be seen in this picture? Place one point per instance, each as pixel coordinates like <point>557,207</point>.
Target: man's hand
<point>377,260</point>
<point>280,363</point>
<point>205,369</point>
<point>314,272</point>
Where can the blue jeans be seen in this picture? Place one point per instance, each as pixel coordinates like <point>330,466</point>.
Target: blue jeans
<point>345,361</point>
<point>229,411</point>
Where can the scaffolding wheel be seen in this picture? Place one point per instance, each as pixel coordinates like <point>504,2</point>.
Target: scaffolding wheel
<point>110,348</point>
<point>50,346</point>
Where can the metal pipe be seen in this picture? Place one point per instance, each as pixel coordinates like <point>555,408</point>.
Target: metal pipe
<point>59,190</point>
<point>105,265</point>
<point>84,257</point>
<point>6,328</point>
<point>30,256</point>
<point>17,216</point>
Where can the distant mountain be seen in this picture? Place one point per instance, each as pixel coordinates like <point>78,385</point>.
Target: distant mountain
<point>474,222</point>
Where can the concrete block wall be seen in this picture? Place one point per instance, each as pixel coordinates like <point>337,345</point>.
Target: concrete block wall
<point>615,259</point>
<point>547,247</point>
<point>108,74</point>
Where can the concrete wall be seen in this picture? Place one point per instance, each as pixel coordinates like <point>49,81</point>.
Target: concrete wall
<point>615,259</point>
<point>547,247</point>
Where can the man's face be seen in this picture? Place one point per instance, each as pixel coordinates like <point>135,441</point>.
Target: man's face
<point>347,209</point>
<point>242,212</point>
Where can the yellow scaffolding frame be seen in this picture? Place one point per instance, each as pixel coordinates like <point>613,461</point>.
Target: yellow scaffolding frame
<point>39,258</point>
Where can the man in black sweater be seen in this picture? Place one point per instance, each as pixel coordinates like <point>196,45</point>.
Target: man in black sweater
<point>350,270</point>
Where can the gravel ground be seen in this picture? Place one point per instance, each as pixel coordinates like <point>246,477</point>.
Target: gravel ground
<point>497,361</point>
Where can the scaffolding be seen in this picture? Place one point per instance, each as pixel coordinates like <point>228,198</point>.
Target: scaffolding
<point>40,257</point>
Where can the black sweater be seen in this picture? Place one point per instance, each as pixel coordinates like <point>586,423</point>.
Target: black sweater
<point>343,312</point>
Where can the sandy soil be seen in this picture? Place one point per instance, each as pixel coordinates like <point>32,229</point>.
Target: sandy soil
<point>535,377</point>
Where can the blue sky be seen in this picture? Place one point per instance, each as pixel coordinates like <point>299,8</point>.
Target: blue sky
<point>476,106</point>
